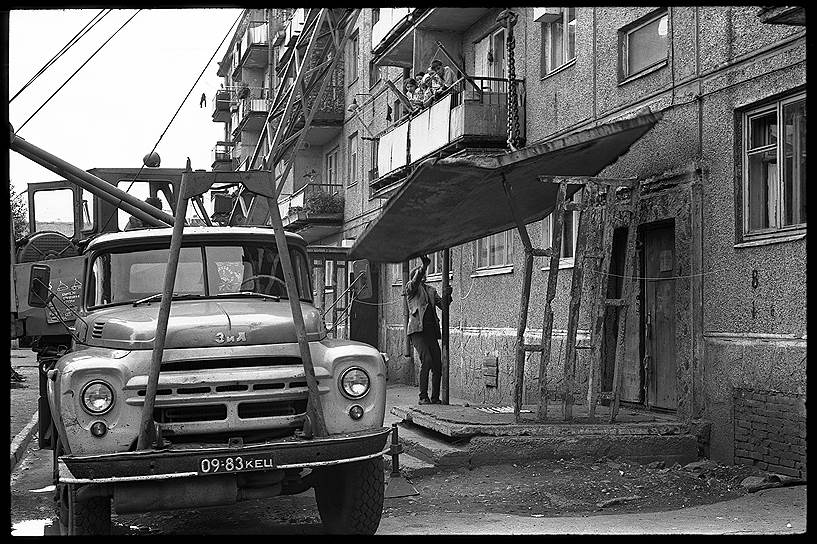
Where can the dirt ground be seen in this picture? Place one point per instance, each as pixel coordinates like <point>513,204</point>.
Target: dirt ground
<point>573,487</point>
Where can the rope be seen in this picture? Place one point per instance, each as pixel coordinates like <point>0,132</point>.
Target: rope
<point>77,71</point>
<point>78,36</point>
<point>175,114</point>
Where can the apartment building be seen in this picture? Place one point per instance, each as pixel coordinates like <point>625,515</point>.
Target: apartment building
<point>718,330</point>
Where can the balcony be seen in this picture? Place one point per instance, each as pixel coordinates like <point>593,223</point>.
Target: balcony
<point>314,211</point>
<point>390,19</point>
<point>223,157</point>
<point>252,112</point>
<point>255,53</point>
<point>466,116</point>
<point>292,31</point>
<point>397,46</point>
<point>222,101</point>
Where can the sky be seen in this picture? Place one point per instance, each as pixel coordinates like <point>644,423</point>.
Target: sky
<point>112,112</point>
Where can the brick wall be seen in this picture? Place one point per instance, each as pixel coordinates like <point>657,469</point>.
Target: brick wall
<point>770,430</point>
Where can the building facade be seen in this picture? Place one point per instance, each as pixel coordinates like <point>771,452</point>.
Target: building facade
<point>718,331</point>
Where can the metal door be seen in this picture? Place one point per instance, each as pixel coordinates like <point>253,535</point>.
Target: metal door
<point>659,308</point>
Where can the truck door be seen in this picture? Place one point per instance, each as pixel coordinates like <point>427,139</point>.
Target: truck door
<point>60,206</point>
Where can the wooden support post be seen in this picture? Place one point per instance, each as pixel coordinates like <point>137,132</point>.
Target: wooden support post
<point>320,285</point>
<point>407,343</point>
<point>628,292</point>
<point>146,426</point>
<point>553,276</point>
<point>314,407</point>
<point>445,353</point>
<point>596,336</point>
<point>519,372</point>
<point>575,305</point>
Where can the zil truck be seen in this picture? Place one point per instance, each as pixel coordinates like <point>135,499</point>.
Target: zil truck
<point>229,414</point>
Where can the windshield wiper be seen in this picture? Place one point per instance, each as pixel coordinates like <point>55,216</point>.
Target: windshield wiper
<point>276,298</point>
<point>151,298</point>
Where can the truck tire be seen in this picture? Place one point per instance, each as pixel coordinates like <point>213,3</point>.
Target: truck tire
<point>91,516</point>
<point>350,497</point>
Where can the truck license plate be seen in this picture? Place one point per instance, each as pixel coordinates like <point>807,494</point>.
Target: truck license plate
<point>236,463</point>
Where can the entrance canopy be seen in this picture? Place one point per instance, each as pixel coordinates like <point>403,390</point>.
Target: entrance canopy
<point>451,201</point>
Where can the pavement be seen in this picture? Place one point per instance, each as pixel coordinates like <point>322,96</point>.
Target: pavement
<point>23,400</point>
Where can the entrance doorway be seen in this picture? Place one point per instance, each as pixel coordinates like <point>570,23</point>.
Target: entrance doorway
<point>660,365</point>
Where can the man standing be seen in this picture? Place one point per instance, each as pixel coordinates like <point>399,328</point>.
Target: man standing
<point>424,329</point>
<point>442,76</point>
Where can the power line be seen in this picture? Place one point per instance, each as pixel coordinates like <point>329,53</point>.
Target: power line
<point>177,111</point>
<point>77,71</point>
<point>77,37</point>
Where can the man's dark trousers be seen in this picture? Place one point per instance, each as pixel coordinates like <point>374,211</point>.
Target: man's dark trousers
<point>430,359</point>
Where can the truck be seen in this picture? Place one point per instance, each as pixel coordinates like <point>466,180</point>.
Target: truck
<point>232,416</point>
<point>230,408</point>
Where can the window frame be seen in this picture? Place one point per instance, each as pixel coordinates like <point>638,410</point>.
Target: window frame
<point>508,261</point>
<point>778,230</point>
<point>333,155</point>
<point>547,241</point>
<point>546,43</point>
<point>352,59</point>
<point>624,45</point>
<point>353,143</point>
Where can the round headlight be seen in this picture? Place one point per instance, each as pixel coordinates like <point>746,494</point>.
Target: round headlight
<point>355,382</point>
<point>97,397</point>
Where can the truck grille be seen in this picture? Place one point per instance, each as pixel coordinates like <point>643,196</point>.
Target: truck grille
<point>187,414</point>
<point>237,362</point>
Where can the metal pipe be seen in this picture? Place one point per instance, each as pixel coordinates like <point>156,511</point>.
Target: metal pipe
<point>89,182</point>
<point>445,326</point>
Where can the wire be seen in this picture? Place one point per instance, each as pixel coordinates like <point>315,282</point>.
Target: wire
<point>77,37</point>
<point>77,71</point>
<point>688,276</point>
<point>177,113</point>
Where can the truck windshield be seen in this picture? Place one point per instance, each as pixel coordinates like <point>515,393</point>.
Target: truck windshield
<point>123,276</point>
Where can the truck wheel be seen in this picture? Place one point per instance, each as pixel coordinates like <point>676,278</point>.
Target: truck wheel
<point>350,497</point>
<point>91,516</point>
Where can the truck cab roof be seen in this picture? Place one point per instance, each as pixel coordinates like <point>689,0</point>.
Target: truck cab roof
<point>205,234</point>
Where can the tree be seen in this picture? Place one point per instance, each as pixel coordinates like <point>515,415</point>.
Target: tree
<point>19,213</point>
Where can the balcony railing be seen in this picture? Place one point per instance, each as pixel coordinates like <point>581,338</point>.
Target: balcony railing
<point>223,99</point>
<point>469,111</point>
<point>313,198</point>
<point>254,47</point>
<point>389,18</point>
<point>223,155</point>
<point>251,113</point>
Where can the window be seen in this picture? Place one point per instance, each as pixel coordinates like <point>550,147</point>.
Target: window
<point>558,40</point>
<point>351,59</point>
<point>352,159</point>
<point>54,210</point>
<point>328,273</point>
<point>570,229</point>
<point>375,15</point>
<point>374,148</point>
<point>494,251</point>
<point>774,167</point>
<point>332,167</point>
<point>374,74</point>
<point>644,45</point>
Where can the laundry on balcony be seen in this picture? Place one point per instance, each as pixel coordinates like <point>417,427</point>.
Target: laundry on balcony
<point>450,201</point>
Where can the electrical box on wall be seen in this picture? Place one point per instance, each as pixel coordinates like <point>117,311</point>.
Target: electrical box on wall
<point>490,370</point>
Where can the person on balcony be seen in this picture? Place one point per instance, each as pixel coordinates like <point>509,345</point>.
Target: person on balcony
<point>427,90</point>
<point>442,77</point>
<point>424,329</point>
<point>413,94</point>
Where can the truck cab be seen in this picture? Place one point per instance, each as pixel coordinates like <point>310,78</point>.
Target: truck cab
<point>230,409</point>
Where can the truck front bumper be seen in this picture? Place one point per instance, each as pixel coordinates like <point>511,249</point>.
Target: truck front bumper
<point>185,462</point>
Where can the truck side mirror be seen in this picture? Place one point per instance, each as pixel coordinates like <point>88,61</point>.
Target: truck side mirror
<point>363,287</point>
<point>38,282</point>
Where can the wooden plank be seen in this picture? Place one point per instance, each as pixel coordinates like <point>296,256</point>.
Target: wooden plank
<point>519,370</point>
<point>628,293</point>
<point>596,336</point>
<point>553,276</point>
<point>573,310</point>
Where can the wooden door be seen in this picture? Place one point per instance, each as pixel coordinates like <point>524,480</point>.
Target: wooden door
<point>659,308</point>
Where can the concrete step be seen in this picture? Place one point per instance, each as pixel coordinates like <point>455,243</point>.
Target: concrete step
<point>430,448</point>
